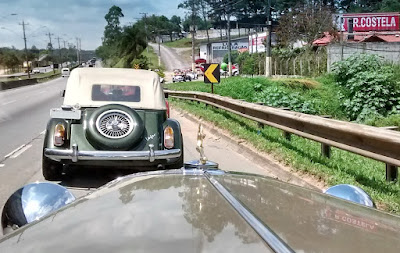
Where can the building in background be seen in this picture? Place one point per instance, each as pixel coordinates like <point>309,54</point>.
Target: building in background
<point>369,33</point>
<point>257,42</point>
<point>215,51</point>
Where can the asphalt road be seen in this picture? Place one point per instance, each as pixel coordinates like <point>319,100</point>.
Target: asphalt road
<point>170,58</point>
<point>24,112</point>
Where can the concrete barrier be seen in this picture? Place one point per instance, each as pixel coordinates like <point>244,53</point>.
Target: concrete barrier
<point>17,83</point>
<point>20,83</point>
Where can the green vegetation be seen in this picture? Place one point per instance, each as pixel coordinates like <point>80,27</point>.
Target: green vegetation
<point>371,89</point>
<point>304,155</point>
<point>185,42</point>
<point>320,96</point>
<point>121,45</point>
<point>152,59</point>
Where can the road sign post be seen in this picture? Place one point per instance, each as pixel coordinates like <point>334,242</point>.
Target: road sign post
<point>212,74</point>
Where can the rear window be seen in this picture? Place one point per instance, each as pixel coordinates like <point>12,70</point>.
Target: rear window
<point>116,93</point>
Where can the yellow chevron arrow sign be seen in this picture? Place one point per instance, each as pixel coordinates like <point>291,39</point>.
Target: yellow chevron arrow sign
<point>212,73</point>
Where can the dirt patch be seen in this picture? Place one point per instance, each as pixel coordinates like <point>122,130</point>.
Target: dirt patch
<point>185,53</point>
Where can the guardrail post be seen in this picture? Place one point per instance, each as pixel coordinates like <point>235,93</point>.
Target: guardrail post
<point>391,172</point>
<point>326,150</point>
<point>287,135</point>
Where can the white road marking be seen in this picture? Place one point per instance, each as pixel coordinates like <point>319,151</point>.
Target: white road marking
<point>16,154</point>
<point>9,102</point>
<point>15,150</point>
<point>40,92</point>
<point>43,132</point>
<point>2,165</point>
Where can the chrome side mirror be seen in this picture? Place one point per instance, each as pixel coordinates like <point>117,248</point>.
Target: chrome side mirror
<point>32,202</point>
<point>351,193</point>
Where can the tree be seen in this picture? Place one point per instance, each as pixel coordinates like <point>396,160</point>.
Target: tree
<point>11,60</point>
<point>304,22</point>
<point>390,6</point>
<point>112,29</point>
<point>132,43</point>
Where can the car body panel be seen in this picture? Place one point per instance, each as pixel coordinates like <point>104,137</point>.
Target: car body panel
<point>166,213</point>
<point>312,222</point>
<point>181,211</point>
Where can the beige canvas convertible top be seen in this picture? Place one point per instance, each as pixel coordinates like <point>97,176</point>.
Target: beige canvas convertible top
<point>81,80</point>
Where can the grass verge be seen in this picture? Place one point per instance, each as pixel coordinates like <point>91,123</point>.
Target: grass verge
<point>319,96</point>
<point>153,58</point>
<point>187,42</point>
<point>304,155</point>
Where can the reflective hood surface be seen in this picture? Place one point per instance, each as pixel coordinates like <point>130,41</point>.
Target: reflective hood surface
<point>185,213</point>
<point>170,213</point>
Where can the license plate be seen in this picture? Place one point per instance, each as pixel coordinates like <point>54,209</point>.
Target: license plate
<point>63,114</point>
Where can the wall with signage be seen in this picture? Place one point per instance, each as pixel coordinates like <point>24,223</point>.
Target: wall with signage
<point>366,22</point>
<point>219,49</point>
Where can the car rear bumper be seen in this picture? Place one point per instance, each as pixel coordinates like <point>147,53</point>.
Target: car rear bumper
<point>76,155</point>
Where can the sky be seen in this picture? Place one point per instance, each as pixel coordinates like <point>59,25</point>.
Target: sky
<point>69,19</point>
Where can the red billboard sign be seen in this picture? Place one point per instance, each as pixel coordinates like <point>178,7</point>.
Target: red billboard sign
<point>365,22</point>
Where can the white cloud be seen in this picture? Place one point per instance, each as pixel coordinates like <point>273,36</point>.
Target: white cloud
<point>69,19</point>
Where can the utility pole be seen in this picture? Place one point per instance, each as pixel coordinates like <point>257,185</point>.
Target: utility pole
<point>26,50</point>
<point>228,19</point>
<point>268,60</point>
<point>59,51</point>
<point>51,48</point>
<point>77,50</point>
<point>159,50</point>
<point>229,45</point>
<point>192,31</point>
<point>145,29</point>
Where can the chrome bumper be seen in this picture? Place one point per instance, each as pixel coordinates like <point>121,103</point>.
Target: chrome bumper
<point>75,155</point>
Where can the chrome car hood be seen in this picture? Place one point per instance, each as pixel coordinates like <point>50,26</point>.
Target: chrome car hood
<point>177,211</point>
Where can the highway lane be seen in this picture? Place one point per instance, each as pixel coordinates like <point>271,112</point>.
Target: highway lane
<point>24,113</point>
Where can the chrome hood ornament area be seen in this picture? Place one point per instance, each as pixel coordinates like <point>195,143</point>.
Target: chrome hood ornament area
<point>203,163</point>
<point>199,148</point>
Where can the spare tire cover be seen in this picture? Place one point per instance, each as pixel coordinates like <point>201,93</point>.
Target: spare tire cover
<point>114,127</point>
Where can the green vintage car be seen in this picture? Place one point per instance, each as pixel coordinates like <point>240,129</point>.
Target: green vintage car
<point>112,117</point>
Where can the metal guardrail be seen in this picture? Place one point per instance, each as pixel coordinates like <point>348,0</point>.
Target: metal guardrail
<point>373,142</point>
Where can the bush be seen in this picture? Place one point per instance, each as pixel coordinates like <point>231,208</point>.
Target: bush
<point>234,57</point>
<point>370,87</point>
<point>141,61</point>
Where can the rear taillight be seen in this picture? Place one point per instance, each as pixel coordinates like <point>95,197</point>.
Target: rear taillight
<point>168,137</point>
<point>59,135</point>
<point>167,104</point>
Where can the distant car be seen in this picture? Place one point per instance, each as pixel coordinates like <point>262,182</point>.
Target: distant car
<point>191,76</point>
<point>36,71</point>
<point>200,61</point>
<point>235,71</point>
<point>65,72</point>
<point>178,78</point>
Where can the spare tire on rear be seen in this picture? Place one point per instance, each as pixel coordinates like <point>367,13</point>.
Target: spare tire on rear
<point>114,127</point>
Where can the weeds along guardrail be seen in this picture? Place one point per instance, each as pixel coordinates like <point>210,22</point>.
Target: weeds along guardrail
<point>377,143</point>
